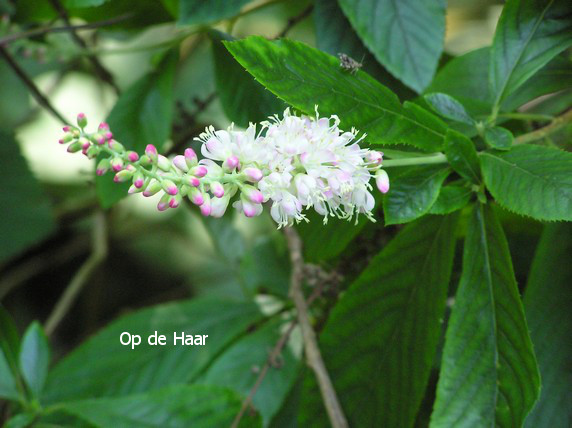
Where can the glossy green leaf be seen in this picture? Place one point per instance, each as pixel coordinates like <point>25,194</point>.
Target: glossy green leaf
<point>499,138</point>
<point>413,192</point>
<point>193,12</point>
<point>548,305</point>
<point>305,77</point>
<point>531,180</point>
<point>405,36</point>
<point>91,369</point>
<point>142,115</point>
<point>452,197</point>
<point>382,335</point>
<point>488,372</point>
<point>462,156</point>
<point>449,107</point>
<point>239,367</point>
<point>243,99</point>
<point>174,406</point>
<point>265,268</point>
<point>8,387</point>
<point>335,35</point>
<point>9,339</point>
<point>19,191</point>
<point>528,35</point>
<point>35,358</point>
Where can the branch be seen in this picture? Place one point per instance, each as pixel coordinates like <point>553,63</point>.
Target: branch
<point>98,68</point>
<point>292,22</point>
<point>98,254</point>
<point>545,131</point>
<point>313,355</point>
<point>45,30</point>
<point>40,98</point>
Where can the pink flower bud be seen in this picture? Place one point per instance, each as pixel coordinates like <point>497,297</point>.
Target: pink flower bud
<point>151,152</point>
<point>252,194</point>
<point>138,180</point>
<point>133,189</point>
<point>253,174</point>
<point>199,171</point>
<point>68,136</point>
<point>163,202</point>
<point>382,181</point>
<point>132,156</point>
<point>196,196</point>
<point>103,126</point>
<point>117,164</point>
<point>231,163</point>
<point>122,176</point>
<point>102,167</point>
<point>175,201</point>
<point>193,181</point>
<point>66,128</point>
<point>81,120</point>
<point>98,138</point>
<point>163,163</point>
<point>145,160</point>
<point>206,206</point>
<point>74,147</point>
<point>108,135</point>
<point>152,189</point>
<point>374,157</point>
<point>191,157</point>
<point>217,189</point>
<point>180,162</point>
<point>116,146</point>
<point>250,209</point>
<point>170,187</point>
<point>92,152</point>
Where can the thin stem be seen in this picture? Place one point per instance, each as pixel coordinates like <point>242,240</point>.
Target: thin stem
<point>40,98</point>
<point>292,22</point>
<point>97,66</point>
<point>64,28</point>
<point>527,116</point>
<point>420,160</point>
<point>311,349</point>
<point>557,124</point>
<point>98,254</point>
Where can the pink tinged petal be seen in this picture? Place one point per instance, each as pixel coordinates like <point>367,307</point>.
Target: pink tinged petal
<point>253,174</point>
<point>217,189</point>
<point>253,194</point>
<point>206,206</point>
<point>219,206</point>
<point>180,162</point>
<point>251,209</point>
<point>382,181</point>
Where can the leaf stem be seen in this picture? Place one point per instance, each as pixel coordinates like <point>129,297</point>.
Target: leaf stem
<point>419,160</point>
<point>557,124</point>
<point>527,116</point>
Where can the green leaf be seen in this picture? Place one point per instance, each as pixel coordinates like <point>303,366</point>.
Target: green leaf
<point>174,406</point>
<point>462,156</point>
<point>26,212</point>
<point>243,99</point>
<point>77,4</point>
<point>91,369</point>
<point>382,335</point>
<point>239,367</point>
<point>449,107</point>
<point>35,358</point>
<point>23,420</point>
<point>192,12</point>
<point>265,268</point>
<point>142,115</point>
<point>488,373</point>
<point>452,197</point>
<point>8,387</point>
<point>531,180</point>
<point>548,305</point>
<point>305,77</point>
<point>405,36</point>
<point>413,192</point>
<point>528,35</point>
<point>499,138</point>
<point>9,339</point>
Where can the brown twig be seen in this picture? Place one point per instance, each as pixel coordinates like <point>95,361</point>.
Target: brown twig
<point>311,349</point>
<point>40,98</point>
<point>64,28</point>
<point>545,131</point>
<point>98,254</point>
<point>292,22</point>
<point>99,69</point>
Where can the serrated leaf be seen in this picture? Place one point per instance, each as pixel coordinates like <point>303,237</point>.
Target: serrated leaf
<point>35,358</point>
<point>531,180</point>
<point>305,77</point>
<point>174,406</point>
<point>381,337</point>
<point>548,305</point>
<point>243,99</point>
<point>91,369</point>
<point>462,156</point>
<point>193,12</point>
<point>452,197</point>
<point>405,36</point>
<point>19,192</point>
<point>528,35</point>
<point>239,366</point>
<point>488,372</point>
<point>449,107</point>
<point>413,192</point>
<point>142,115</point>
<point>499,138</point>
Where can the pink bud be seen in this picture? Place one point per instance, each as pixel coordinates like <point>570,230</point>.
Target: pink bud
<point>174,201</point>
<point>251,209</point>
<point>66,128</point>
<point>170,187</point>
<point>103,126</point>
<point>117,164</point>
<point>138,180</point>
<point>231,162</point>
<point>199,171</point>
<point>163,203</point>
<point>382,181</point>
<point>102,167</point>
<point>152,189</point>
<point>374,157</point>
<point>196,196</point>
<point>81,120</point>
<point>190,157</point>
<point>253,174</point>
<point>163,163</point>
<point>194,181</point>
<point>252,194</point>
<point>132,156</point>
<point>74,147</point>
<point>206,206</point>
<point>151,152</point>
<point>108,136</point>
<point>180,162</point>
<point>61,141</point>
<point>217,189</point>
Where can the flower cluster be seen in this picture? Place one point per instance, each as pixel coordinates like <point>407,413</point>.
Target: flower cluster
<point>291,163</point>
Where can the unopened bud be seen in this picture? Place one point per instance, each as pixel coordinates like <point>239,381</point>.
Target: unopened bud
<point>163,163</point>
<point>117,164</point>
<point>252,194</point>
<point>92,152</point>
<point>231,163</point>
<point>163,202</point>
<point>145,160</point>
<point>138,179</point>
<point>123,175</point>
<point>152,188</point>
<point>103,126</point>
<point>253,174</point>
<point>132,156</point>
<point>116,147</point>
<point>175,201</point>
<point>190,157</point>
<point>180,162</point>
<point>81,120</point>
<point>196,196</point>
<point>151,152</point>
<point>74,147</point>
<point>199,171</point>
<point>170,187</point>
<point>217,189</point>
<point>193,181</point>
<point>103,166</point>
<point>206,206</point>
<point>382,181</point>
